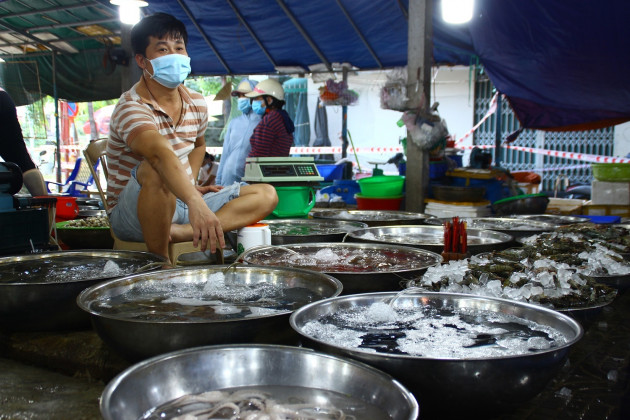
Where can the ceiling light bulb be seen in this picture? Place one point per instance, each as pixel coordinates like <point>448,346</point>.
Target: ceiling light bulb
<point>457,11</point>
<point>129,10</point>
<point>129,13</point>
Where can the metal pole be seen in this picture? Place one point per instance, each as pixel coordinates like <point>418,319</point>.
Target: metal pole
<point>419,60</point>
<point>54,78</point>
<point>344,131</point>
<point>498,152</point>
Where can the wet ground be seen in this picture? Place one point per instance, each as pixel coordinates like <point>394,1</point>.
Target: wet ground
<point>28,392</point>
<point>61,375</point>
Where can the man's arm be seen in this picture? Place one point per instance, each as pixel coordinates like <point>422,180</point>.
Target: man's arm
<point>195,158</point>
<point>158,152</point>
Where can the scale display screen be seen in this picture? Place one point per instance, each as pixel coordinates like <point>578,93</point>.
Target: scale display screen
<point>289,170</point>
<point>281,170</point>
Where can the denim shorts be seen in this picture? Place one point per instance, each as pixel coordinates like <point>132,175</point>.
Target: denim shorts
<point>124,217</point>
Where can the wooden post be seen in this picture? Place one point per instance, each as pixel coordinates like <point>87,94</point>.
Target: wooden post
<point>419,61</point>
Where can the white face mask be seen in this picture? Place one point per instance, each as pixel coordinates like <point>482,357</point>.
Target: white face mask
<point>170,70</point>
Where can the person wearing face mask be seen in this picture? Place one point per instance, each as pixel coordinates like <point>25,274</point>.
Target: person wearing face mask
<point>156,147</point>
<point>236,145</point>
<point>273,137</point>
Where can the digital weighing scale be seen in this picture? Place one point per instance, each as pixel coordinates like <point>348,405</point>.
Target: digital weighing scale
<point>282,171</point>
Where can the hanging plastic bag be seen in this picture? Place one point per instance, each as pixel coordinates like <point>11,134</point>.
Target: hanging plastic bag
<point>337,93</point>
<point>394,91</point>
<point>427,129</point>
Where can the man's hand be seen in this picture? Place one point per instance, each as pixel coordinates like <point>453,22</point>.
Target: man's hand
<point>206,226</point>
<point>208,188</point>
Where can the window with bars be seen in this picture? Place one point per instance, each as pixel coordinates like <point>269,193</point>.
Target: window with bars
<point>596,142</point>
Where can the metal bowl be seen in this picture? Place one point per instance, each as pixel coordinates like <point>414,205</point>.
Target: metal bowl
<point>468,383</point>
<point>589,303</point>
<point>430,238</point>
<point>373,217</point>
<point>161,379</point>
<point>85,213</point>
<point>521,204</point>
<point>131,316</point>
<point>512,226</point>
<point>38,291</point>
<point>550,218</point>
<point>95,237</point>
<point>293,231</point>
<point>458,194</point>
<point>358,276</point>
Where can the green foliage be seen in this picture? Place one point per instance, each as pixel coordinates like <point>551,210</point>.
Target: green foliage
<point>204,84</point>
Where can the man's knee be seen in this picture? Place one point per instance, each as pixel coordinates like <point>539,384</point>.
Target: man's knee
<point>269,195</point>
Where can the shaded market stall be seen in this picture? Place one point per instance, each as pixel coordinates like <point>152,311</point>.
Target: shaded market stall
<point>303,34</point>
<point>547,60</point>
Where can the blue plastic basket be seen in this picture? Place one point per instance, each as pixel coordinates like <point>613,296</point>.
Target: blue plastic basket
<point>603,219</point>
<point>346,189</point>
<point>330,172</point>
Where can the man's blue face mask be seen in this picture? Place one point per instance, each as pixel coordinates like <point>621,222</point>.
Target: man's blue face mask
<point>170,70</point>
<point>258,107</point>
<point>244,105</point>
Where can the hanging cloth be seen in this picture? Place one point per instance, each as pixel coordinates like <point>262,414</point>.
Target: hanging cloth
<point>295,97</point>
<point>321,131</point>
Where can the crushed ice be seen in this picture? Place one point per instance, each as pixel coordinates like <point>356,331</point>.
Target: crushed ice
<point>111,269</point>
<point>433,333</point>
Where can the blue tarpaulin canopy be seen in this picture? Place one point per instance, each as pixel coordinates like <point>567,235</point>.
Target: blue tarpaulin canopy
<point>561,63</point>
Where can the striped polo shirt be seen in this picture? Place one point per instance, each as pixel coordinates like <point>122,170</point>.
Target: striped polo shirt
<point>132,115</point>
<point>270,137</point>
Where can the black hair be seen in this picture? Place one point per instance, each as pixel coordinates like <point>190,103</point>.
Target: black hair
<point>158,25</point>
<point>275,103</point>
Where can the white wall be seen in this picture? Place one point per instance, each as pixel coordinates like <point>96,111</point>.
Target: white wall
<point>372,126</point>
<point>622,140</point>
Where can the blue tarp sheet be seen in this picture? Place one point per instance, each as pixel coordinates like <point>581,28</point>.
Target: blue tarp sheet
<point>561,63</point>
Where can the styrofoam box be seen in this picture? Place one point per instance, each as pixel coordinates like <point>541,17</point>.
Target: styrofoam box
<point>445,210</point>
<point>603,192</point>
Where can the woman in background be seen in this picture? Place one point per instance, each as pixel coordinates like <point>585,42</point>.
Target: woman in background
<point>273,137</point>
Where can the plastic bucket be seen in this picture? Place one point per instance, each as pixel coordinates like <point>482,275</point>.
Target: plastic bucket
<point>294,201</point>
<point>382,186</point>
<point>371,203</point>
<point>66,209</point>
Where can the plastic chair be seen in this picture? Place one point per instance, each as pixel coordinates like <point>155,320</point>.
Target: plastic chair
<point>96,151</point>
<point>79,180</point>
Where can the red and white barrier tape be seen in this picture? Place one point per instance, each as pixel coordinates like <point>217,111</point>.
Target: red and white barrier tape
<point>491,110</point>
<point>571,155</point>
<point>326,150</point>
<point>558,153</point>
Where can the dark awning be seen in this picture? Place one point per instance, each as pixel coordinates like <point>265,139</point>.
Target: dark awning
<point>562,64</point>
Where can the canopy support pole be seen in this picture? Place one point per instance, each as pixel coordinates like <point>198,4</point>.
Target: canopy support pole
<point>252,33</point>
<point>204,35</point>
<point>498,151</point>
<point>360,34</point>
<point>306,37</point>
<point>129,74</point>
<point>57,134</point>
<point>419,60</point>
<point>344,122</point>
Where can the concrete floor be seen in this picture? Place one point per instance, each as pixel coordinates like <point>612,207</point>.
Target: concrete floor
<point>32,393</point>
<point>61,375</point>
